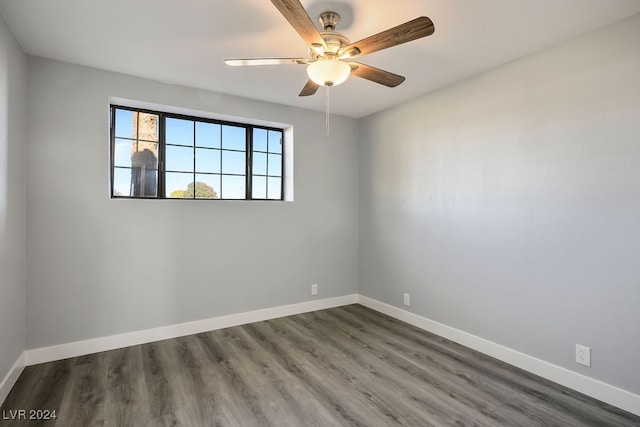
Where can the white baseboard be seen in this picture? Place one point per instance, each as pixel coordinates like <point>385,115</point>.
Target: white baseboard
<point>594,388</point>
<point>597,389</point>
<point>12,376</point>
<point>80,348</point>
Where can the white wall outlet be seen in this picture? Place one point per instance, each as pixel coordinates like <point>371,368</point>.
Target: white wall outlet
<point>583,355</point>
<point>407,300</point>
<point>314,289</point>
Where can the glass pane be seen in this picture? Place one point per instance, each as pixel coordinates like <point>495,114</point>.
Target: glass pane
<point>176,184</point>
<point>207,160</point>
<point>144,181</point>
<point>179,158</point>
<point>259,164</point>
<point>143,152</point>
<point>122,182</point>
<point>233,162</point>
<point>273,188</point>
<point>144,165</point>
<point>122,152</point>
<point>275,164</point>
<point>259,139</point>
<point>232,187</point>
<point>275,141</point>
<point>179,132</point>
<point>259,187</point>
<point>207,186</point>
<point>234,138</point>
<point>207,135</point>
<point>124,123</point>
<point>145,126</point>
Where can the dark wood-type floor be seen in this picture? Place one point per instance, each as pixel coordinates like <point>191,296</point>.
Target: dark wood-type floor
<point>343,366</point>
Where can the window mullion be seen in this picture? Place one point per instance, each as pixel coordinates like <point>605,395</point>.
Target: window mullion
<point>267,171</point>
<point>220,153</point>
<point>161,157</point>
<point>194,159</point>
<point>112,130</point>
<point>282,165</point>
<point>249,166</point>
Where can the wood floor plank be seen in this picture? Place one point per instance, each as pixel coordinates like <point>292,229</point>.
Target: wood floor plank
<point>23,389</point>
<point>83,404</point>
<point>46,389</point>
<point>414,389</point>
<point>465,386</point>
<point>404,358</point>
<point>347,366</point>
<point>528,390</point>
<point>238,399</point>
<point>126,394</point>
<point>160,395</point>
<point>331,391</point>
<point>213,399</point>
<point>274,381</point>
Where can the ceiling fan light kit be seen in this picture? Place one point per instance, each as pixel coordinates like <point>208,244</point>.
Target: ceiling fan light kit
<point>328,71</point>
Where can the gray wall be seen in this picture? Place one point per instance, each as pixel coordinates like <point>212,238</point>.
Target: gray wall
<point>508,205</point>
<point>13,92</point>
<point>99,266</point>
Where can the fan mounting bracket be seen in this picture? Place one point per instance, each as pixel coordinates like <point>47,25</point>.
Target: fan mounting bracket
<point>329,20</point>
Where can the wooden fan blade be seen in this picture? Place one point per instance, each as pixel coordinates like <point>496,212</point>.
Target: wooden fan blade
<point>265,61</point>
<point>412,30</point>
<point>299,19</point>
<point>309,89</point>
<point>375,74</point>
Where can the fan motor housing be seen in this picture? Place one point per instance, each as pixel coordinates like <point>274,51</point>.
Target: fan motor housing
<point>334,41</point>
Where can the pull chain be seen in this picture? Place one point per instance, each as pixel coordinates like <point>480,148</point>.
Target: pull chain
<point>328,109</point>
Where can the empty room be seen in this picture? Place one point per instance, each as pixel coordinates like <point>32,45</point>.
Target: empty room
<point>320,213</point>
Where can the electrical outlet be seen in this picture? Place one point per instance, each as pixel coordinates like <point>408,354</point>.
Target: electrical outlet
<point>314,289</point>
<point>583,355</point>
<point>407,300</point>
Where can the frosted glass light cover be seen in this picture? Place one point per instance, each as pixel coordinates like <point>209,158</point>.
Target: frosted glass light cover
<point>328,72</point>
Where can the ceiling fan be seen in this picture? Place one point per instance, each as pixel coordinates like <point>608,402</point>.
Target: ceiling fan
<point>330,53</point>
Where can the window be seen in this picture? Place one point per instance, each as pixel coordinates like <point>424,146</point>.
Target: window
<point>169,156</point>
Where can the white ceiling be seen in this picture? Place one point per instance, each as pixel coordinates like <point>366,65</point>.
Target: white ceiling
<point>186,41</point>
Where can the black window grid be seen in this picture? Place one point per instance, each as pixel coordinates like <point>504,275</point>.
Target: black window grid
<point>161,171</point>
